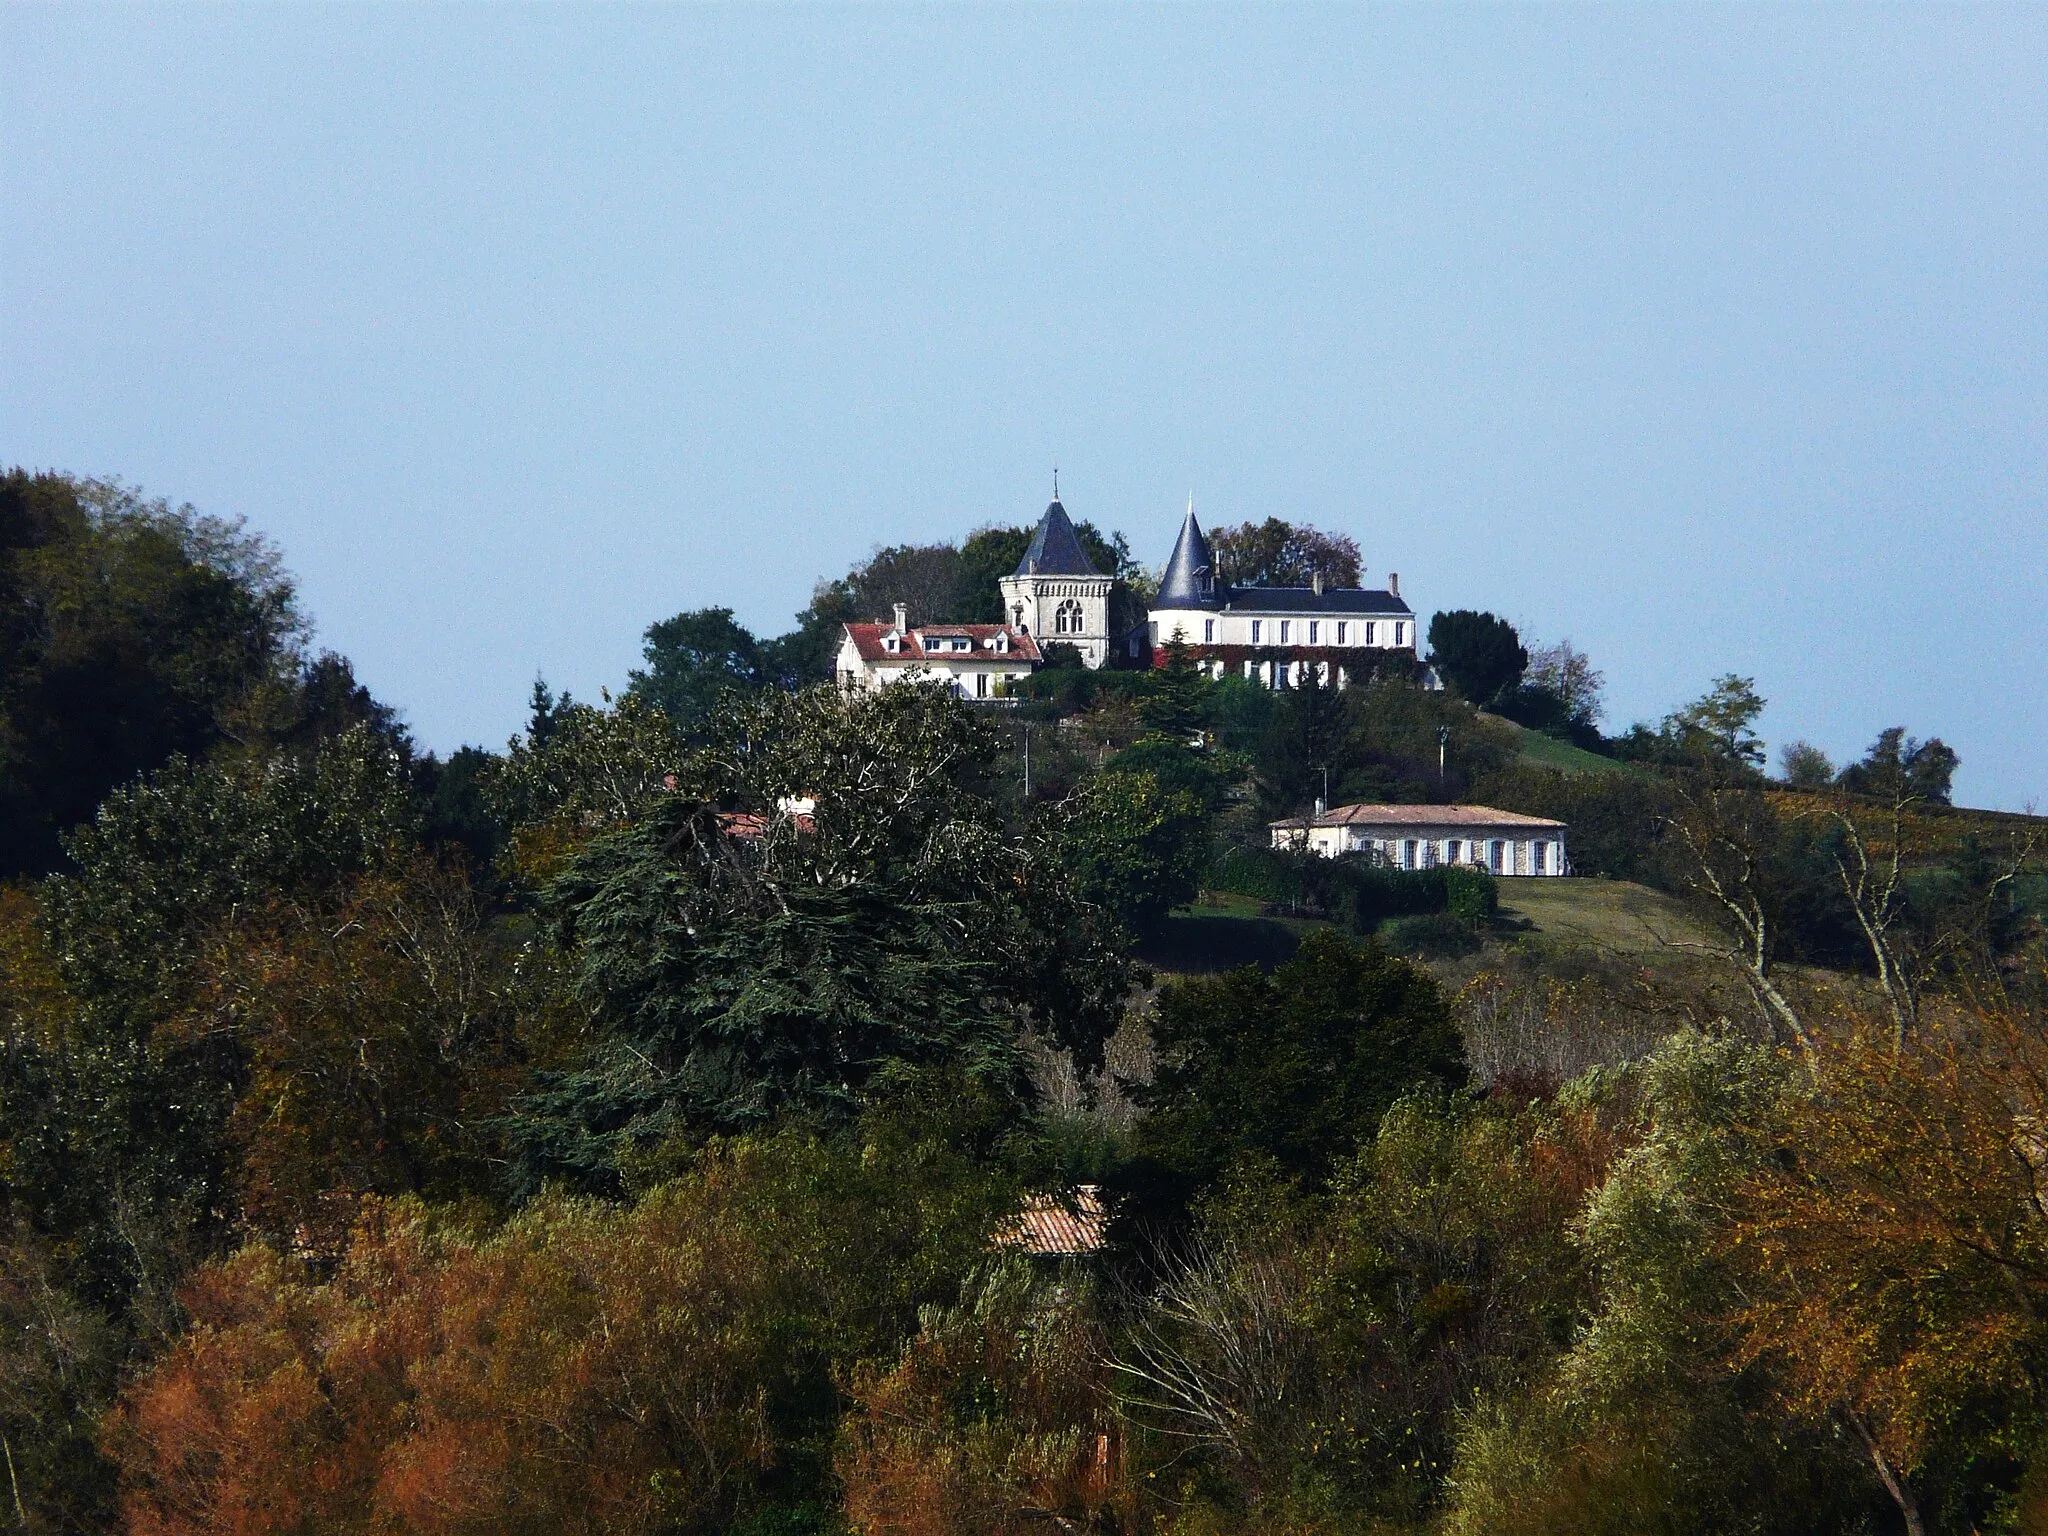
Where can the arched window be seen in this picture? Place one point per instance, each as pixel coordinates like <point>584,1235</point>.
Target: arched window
<point>1066,619</point>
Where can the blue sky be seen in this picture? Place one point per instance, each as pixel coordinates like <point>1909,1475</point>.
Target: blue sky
<point>1715,339</point>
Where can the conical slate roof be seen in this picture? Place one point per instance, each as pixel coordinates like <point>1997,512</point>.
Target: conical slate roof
<point>1055,548</point>
<point>1190,579</point>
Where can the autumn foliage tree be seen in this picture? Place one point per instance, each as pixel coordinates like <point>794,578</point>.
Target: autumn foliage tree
<point>1892,1260</point>
<point>376,1022</point>
<point>670,1364</point>
<point>997,1417</point>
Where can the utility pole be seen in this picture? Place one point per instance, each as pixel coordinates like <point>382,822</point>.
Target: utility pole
<point>1027,759</point>
<point>1443,745</point>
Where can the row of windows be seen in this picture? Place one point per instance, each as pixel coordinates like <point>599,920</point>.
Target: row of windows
<point>1497,855</point>
<point>1342,631</point>
<point>933,644</point>
<point>982,687</point>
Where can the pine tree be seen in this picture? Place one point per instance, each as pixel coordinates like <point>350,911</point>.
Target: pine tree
<point>1174,708</point>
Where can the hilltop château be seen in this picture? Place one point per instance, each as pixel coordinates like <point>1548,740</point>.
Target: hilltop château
<point>1274,635</point>
<point>1278,636</point>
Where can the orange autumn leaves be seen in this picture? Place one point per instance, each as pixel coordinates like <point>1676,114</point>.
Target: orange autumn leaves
<point>583,1369</point>
<point>1892,1258</point>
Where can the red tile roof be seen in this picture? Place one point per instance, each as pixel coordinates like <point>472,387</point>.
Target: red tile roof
<point>867,639</point>
<point>752,824</point>
<point>1418,816</point>
<point>1054,1226</point>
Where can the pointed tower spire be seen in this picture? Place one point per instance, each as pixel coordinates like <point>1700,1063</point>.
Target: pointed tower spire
<point>1190,579</point>
<point>1055,549</point>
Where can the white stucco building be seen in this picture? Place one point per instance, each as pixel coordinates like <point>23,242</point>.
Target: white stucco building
<point>1275,635</point>
<point>1424,836</point>
<point>978,661</point>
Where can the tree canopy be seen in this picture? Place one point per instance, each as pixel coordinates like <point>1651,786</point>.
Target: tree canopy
<point>1282,554</point>
<point>130,631</point>
<point>1476,653</point>
<point>1293,1068</point>
<point>866,911</point>
<point>1898,766</point>
<point>694,660</point>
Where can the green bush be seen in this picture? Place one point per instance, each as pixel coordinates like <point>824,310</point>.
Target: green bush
<point>1356,893</point>
<point>1471,894</point>
<point>1435,935</point>
<point>1260,873</point>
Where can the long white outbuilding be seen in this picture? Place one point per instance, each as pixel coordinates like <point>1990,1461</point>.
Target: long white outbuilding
<point>1425,836</point>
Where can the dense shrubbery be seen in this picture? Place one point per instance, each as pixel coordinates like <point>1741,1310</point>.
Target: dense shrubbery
<point>625,1132</point>
<point>1353,890</point>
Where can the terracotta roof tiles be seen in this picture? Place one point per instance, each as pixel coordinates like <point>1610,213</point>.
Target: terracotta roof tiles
<point>868,640</point>
<point>1418,816</point>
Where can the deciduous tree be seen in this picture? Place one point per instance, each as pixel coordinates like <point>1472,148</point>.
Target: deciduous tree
<point>130,631</point>
<point>695,659</point>
<point>1281,554</point>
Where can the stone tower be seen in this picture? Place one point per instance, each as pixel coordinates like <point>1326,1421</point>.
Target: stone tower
<point>1056,594</point>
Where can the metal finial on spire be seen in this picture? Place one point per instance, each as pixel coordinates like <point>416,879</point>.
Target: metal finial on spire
<point>1055,482</point>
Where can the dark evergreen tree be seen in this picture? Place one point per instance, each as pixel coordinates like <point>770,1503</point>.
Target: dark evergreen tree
<point>1287,1072</point>
<point>1177,705</point>
<point>1478,654</point>
<point>870,913</point>
<point>1307,734</point>
<point>1899,766</point>
<point>693,661</point>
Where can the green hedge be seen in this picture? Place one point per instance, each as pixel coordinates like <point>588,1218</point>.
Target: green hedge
<point>1260,873</point>
<point>1354,892</point>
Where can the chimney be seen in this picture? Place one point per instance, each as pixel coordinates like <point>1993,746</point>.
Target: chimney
<point>1322,806</point>
<point>1316,581</point>
<point>902,618</point>
<point>1393,584</point>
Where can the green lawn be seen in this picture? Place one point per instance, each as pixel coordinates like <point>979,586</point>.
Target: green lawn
<point>1222,931</point>
<point>1613,915</point>
<point>1552,753</point>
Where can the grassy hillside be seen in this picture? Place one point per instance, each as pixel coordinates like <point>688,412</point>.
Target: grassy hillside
<point>1611,915</point>
<point>1931,831</point>
<point>1549,752</point>
<point>1615,917</point>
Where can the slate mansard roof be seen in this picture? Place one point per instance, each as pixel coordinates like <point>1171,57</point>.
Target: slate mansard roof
<point>1055,548</point>
<point>1308,600</point>
<point>1190,582</point>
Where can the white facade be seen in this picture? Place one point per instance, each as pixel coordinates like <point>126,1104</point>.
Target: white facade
<point>1427,836</point>
<point>1281,637</point>
<point>977,661</point>
<point>1250,625</point>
